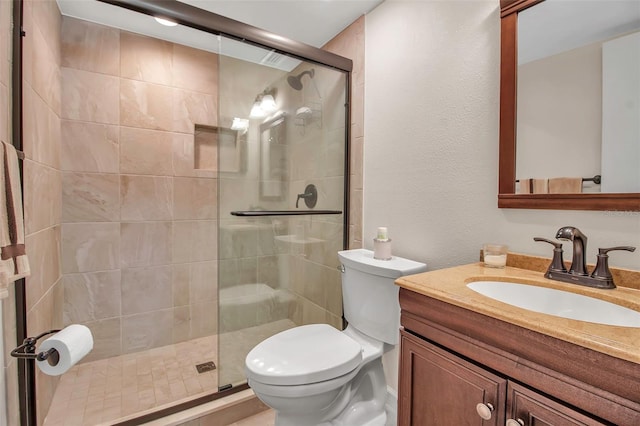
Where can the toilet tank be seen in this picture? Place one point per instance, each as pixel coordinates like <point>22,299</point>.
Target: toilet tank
<point>369,295</point>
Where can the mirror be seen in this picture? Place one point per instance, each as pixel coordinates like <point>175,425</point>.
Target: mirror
<point>540,102</point>
<point>273,158</point>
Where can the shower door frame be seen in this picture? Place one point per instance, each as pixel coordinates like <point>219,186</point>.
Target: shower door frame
<point>209,22</point>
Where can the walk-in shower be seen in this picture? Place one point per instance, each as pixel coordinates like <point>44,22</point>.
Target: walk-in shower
<point>183,244</point>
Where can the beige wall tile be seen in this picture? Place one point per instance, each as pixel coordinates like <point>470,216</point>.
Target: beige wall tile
<point>88,96</point>
<point>42,316</point>
<point>146,289</point>
<point>46,70</point>
<point>148,330</point>
<point>107,339</point>
<point>203,283</point>
<point>90,197</point>
<point>195,69</point>
<point>91,296</point>
<point>237,271</point>
<point>195,241</point>
<point>269,270</point>
<point>47,18</point>
<point>181,281</point>
<point>41,130</point>
<point>195,198</point>
<point>145,58</point>
<point>191,108</point>
<point>89,147</point>
<point>238,241</point>
<point>184,157</point>
<point>146,152</point>
<point>145,105</point>
<point>90,47</point>
<point>204,319</point>
<point>146,244</point>
<point>90,247</point>
<point>181,324</point>
<point>146,197</point>
<point>42,200</point>
<point>43,249</point>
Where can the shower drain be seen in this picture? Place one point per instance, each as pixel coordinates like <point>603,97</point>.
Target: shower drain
<point>204,367</point>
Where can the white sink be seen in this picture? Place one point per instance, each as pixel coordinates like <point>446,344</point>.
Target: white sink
<point>557,302</point>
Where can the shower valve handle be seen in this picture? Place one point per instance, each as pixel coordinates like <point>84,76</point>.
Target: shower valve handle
<point>310,196</point>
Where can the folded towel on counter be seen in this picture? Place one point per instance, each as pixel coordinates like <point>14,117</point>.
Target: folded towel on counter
<point>533,186</point>
<point>13,258</point>
<point>565,185</point>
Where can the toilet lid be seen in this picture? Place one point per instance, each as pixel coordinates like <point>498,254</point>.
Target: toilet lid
<point>301,355</point>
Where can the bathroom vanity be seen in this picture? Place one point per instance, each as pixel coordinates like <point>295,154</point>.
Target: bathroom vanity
<point>468,359</point>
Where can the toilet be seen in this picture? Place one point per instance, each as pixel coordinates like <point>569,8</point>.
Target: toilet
<point>315,375</point>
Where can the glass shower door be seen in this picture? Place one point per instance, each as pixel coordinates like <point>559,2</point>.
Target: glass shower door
<point>281,196</point>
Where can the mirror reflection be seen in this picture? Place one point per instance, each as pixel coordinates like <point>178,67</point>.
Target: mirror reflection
<point>578,97</point>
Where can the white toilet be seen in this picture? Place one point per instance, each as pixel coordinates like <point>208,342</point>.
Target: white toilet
<point>316,375</point>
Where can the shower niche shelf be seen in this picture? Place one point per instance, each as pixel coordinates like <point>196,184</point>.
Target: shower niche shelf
<point>307,115</point>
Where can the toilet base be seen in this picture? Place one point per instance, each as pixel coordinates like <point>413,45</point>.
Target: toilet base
<point>361,402</point>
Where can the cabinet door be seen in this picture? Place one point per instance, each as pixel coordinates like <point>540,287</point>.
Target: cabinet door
<point>529,408</point>
<point>438,388</point>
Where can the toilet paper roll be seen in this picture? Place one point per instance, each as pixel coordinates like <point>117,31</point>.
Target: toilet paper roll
<point>72,343</point>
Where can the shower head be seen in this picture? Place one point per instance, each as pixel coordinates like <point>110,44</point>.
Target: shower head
<point>296,81</point>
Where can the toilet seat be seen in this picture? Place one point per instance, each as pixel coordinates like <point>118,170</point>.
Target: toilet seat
<point>303,355</point>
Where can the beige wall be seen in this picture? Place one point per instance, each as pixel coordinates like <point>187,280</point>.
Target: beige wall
<point>139,232</point>
<point>432,121</point>
<point>560,115</point>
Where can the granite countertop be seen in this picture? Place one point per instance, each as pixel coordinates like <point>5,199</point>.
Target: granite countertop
<point>449,285</point>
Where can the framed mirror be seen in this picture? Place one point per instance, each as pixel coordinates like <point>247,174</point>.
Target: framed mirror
<point>273,158</point>
<point>569,124</point>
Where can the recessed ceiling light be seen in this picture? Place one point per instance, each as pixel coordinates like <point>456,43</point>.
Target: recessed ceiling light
<point>166,22</point>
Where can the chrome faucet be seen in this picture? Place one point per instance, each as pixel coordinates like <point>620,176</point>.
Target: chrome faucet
<point>578,274</point>
<point>571,233</point>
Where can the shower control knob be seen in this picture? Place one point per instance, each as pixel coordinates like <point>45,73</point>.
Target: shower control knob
<point>484,410</point>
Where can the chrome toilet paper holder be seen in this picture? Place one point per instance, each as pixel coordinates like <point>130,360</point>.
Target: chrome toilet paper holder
<point>27,350</point>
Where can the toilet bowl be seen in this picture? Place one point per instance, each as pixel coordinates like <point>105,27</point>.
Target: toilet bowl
<point>315,375</point>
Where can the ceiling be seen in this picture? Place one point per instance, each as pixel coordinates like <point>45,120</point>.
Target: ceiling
<point>313,22</point>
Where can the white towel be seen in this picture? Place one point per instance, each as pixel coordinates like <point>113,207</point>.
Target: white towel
<point>13,258</point>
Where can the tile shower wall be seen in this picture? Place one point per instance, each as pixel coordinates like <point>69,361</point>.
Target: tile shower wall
<point>139,232</point>
<point>315,279</point>
<point>350,43</point>
<point>42,176</point>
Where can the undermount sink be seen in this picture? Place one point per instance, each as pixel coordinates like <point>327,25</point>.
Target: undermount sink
<point>558,303</point>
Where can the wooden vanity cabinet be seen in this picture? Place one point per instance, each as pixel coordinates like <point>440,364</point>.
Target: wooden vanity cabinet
<point>452,359</point>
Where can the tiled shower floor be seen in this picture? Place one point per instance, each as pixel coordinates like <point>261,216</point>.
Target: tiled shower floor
<point>115,389</point>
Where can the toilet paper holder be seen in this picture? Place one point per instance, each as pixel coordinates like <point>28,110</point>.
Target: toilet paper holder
<point>27,350</point>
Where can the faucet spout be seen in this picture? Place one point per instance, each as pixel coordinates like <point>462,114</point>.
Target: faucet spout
<point>573,234</point>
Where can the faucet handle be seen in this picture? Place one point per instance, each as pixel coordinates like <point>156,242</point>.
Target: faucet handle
<point>557,264</point>
<point>601,270</point>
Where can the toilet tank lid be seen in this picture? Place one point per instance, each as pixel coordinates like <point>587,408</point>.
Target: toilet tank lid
<point>362,260</point>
